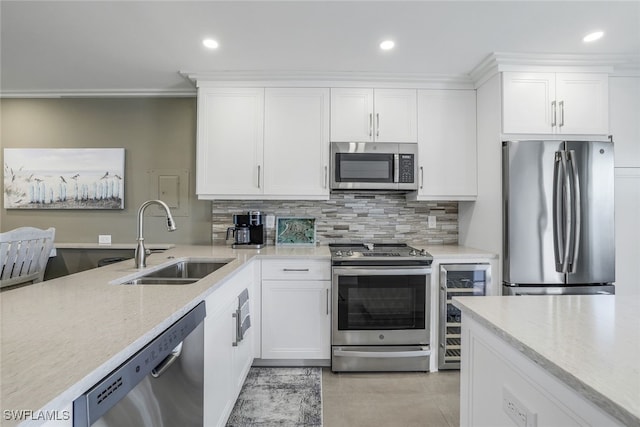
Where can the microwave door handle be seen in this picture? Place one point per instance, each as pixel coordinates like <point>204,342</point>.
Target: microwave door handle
<point>396,168</point>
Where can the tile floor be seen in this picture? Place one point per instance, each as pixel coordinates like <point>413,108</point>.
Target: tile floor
<point>391,399</point>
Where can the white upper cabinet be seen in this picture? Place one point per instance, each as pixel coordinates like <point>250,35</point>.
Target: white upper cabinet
<point>296,142</point>
<point>624,99</point>
<point>555,103</point>
<point>256,143</point>
<point>365,115</point>
<point>230,141</point>
<point>447,151</point>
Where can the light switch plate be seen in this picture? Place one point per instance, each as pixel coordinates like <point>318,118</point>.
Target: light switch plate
<point>271,221</point>
<point>431,221</point>
<point>104,239</point>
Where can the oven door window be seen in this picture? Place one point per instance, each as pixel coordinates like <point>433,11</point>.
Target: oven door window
<point>364,167</point>
<point>381,302</point>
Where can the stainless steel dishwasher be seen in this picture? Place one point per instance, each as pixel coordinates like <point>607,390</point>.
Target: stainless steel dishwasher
<point>161,385</point>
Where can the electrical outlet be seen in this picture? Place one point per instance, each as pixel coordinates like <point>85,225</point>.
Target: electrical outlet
<point>519,413</point>
<point>431,221</point>
<point>104,239</point>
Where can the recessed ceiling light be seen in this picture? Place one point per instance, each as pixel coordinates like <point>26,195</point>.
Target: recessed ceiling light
<point>387,45</point>
<point>210,43</point>
<point>593,36</point>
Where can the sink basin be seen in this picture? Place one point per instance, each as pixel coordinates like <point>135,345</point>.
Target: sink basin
<point>188,269</point>
<point>159,281</point>
<point>179,273</point>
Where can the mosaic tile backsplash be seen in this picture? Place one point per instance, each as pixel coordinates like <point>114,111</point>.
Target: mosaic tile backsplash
<point>351,217</point>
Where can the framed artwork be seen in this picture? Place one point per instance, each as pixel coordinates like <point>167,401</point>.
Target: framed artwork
<point>295,231</point>
<point>64,178</point>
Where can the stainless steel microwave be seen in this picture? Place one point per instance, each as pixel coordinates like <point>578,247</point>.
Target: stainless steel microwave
<point>374,166</point>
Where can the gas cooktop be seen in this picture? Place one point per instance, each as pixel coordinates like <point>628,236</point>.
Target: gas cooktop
<point>378,254</point>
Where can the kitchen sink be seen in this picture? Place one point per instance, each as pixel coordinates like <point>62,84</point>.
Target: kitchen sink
<point>159,281</point>
<point>179,273</point>
<point>188,269</point>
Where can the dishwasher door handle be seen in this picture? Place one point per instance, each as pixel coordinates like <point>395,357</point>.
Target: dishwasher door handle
<point>167,362</point>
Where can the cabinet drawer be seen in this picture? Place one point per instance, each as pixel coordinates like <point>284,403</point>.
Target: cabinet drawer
<point>296,269</point>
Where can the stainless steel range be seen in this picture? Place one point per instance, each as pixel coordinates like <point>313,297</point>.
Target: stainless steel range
<point>381,307</point>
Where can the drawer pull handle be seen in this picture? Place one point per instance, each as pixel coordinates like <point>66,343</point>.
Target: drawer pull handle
<point>295,269</point>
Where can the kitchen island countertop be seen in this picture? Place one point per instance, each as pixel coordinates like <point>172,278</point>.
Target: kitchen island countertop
<point>589,342</point>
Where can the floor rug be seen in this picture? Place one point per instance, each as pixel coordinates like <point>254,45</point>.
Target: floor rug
<point>279,397</point>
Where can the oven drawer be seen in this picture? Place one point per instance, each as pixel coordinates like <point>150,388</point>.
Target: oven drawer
<point>380,358</point>
<point>296,269</point>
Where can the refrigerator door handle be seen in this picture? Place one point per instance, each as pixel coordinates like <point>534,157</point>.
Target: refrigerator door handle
<point>562,213</point>
<point>558,246</point>
<point>568,213</point>
<point>577,209</point>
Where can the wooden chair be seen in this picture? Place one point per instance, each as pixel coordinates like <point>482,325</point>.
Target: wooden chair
<point>24,253</point>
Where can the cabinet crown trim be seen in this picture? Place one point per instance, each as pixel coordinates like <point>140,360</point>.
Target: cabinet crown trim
<point>555,62</point>
<point>326,79</point>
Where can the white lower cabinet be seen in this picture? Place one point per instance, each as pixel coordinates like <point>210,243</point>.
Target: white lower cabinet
<point>499,386</point>
<point>296,309</point>
<point>227,359</point>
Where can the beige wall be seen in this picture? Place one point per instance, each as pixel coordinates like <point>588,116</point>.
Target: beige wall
<point>157,133</point>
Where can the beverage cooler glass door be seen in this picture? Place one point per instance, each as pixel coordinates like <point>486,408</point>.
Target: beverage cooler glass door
<point>380,306</point>
<point>457,280</point>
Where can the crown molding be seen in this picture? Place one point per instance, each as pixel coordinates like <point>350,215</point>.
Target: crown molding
<point>551,62</point>
<point>279,78</point>
<point>100,93</point>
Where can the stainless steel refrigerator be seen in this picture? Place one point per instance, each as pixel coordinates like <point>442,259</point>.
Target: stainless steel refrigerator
<point>558,217</point>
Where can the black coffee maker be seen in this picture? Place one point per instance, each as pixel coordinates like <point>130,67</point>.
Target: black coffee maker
<point>249,231</point>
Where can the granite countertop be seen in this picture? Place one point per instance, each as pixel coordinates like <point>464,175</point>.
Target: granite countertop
<point>59,337</point>
<point>590,342</point>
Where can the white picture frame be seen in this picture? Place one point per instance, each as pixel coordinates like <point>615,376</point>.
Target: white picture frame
<point>64,178</point>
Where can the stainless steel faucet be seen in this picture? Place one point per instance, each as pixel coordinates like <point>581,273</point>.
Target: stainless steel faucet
<point>141,252</point>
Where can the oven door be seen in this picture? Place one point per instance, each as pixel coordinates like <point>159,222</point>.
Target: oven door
<point>380,306</point>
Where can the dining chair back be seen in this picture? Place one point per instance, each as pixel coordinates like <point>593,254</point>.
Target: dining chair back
<point>24,253</point>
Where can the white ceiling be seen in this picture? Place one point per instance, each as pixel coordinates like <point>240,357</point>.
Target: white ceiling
<point>77,47</point>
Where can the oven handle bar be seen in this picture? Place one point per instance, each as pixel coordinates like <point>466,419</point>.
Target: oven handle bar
<point>380,271</point>
<point>424,351</point>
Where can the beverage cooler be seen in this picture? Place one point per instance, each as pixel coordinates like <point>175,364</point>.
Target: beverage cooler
<point>457,280</point>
